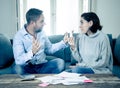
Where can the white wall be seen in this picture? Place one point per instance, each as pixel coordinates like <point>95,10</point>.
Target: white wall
<point>8,25</point>
<point>107,10</point>
<point>109,13</point>
<point>67,15</point>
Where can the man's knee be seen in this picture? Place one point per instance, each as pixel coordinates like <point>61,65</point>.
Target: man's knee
<point>19,69</point>
<point>60,64</point>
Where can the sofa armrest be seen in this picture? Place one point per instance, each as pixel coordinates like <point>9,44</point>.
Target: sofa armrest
<point>6,52</point>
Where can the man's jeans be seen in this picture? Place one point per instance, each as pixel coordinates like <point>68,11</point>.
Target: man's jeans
<point>52,66</point>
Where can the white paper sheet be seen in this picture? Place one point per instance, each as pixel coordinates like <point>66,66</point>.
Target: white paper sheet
<point>65,78</point>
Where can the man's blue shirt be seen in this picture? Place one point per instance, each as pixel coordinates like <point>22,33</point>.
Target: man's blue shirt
<point>22,47</point>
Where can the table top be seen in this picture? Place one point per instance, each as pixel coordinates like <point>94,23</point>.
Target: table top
<point>99,81</point>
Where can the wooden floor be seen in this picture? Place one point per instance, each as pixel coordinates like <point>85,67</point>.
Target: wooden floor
<point>99,81</point>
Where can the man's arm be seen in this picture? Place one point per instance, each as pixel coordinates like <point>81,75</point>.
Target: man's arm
<point>20,55</point>
<point>52,48</point>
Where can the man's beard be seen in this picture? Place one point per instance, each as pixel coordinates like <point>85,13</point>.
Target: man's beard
<point>38,30</point>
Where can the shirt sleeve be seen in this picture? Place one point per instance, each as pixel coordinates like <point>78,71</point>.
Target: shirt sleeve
<point>52,48</point>
<point>20,55</point>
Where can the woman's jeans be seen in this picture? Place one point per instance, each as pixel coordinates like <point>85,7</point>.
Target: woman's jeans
<point>81,70</point>
<point>52,66</point>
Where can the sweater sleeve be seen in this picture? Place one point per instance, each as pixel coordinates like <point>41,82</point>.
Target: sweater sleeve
<point>75,53</point>
<point>105,58</point>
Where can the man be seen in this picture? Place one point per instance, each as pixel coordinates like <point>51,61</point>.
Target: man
<point>31,45</point>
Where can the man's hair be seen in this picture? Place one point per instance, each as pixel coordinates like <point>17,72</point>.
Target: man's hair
<point>91,16</point>
<point>33,14</point>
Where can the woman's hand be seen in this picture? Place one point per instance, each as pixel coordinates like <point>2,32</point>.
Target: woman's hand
<point>71,43</point>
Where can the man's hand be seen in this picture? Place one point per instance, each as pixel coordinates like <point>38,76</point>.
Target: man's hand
<point>72,66</point>
<point>35,46</point>
<point>66,38</point>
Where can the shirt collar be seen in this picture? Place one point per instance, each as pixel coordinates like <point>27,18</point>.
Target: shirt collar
<point>24,32</point>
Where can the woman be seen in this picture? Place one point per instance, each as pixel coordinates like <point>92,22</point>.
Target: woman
<point>91,49</point>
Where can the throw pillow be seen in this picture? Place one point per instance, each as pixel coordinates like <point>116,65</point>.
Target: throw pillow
<point>6,52</point>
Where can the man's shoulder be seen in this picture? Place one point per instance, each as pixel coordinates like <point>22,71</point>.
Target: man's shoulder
<point>20,33</point>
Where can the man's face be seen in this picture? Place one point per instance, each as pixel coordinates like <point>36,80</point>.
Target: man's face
<point>39,24</point>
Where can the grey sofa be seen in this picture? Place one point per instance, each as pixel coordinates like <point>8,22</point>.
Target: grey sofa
<point>7,60</point>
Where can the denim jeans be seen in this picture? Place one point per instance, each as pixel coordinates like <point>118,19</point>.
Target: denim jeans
<point>52,66</point>
<point>81,70</point>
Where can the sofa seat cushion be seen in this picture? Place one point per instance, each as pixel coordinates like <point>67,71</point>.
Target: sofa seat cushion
<point>116,70</point>
<point>6,52</point>
<point>117,49</point>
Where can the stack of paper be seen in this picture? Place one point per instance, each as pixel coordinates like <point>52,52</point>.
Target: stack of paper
<point>65,78</point>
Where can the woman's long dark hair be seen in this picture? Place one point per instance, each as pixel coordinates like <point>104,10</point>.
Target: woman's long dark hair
<point>91,16</point>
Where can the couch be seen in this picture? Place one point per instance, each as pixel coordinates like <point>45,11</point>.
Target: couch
<point>7,60</point>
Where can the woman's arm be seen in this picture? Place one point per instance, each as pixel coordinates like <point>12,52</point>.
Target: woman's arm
<point>74,47</point>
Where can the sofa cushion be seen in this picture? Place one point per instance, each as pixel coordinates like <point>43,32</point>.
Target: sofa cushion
<point>116,70</point>
<point>67,54</point>
<point>117,49</point>
<point>56,39</point>
<point>6,52</point>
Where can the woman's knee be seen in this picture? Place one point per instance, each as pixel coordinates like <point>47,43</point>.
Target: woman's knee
<point>75,70</point>
<point>82,70</point>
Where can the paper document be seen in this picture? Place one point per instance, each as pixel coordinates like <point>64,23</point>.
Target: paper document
<point>65,78</point>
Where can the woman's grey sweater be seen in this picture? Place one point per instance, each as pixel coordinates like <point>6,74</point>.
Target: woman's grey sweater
<point>94,51</point>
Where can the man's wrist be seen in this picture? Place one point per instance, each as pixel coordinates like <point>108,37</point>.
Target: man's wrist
<point>33,53</point>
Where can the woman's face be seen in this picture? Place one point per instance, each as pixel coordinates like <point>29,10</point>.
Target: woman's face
<point>84,25</point>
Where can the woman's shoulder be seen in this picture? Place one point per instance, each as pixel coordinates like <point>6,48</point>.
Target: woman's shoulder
<point>103,36</point>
